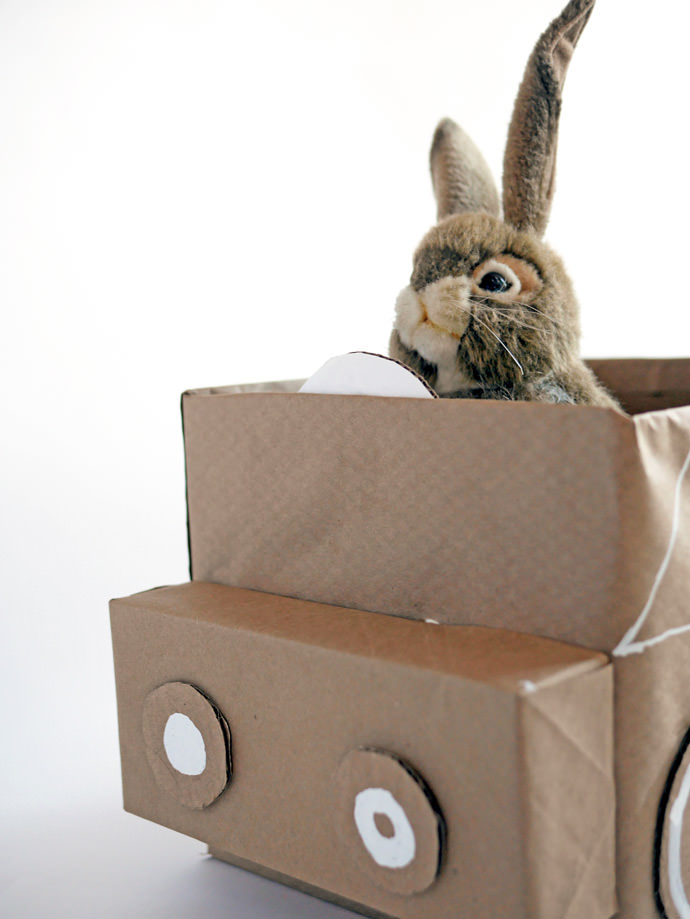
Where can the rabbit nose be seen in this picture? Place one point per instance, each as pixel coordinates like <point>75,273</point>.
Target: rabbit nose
<point>446,304</point>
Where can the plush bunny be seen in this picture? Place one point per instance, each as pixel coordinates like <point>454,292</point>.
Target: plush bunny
<point>490,312</point>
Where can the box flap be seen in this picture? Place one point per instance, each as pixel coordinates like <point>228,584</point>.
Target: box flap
<point>646,384</point>
<point>491,513</point>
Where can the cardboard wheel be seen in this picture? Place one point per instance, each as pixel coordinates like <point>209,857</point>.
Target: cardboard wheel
<point>672,840</point>
<point>389,821</point>
<point>187,741</point>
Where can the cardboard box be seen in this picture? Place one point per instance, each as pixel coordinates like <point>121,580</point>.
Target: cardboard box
<point>489,753</point>
<point>569,523</point>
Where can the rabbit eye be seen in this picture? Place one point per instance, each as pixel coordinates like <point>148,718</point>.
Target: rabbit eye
<point>506,278</point>
<point>494,283</point>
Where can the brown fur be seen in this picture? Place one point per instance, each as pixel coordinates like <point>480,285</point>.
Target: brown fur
<point>461,177</point>
<point>543,334</point>
<point>529,163</point>
<point>526,348</point>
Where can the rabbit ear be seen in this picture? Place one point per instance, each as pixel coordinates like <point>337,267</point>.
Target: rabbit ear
<point>530,157</point>
<point>461,178</point>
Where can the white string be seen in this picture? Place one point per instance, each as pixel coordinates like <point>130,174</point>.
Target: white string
<point>628,645</point>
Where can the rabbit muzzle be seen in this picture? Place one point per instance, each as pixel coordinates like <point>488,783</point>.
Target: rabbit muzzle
<point>432,322</point>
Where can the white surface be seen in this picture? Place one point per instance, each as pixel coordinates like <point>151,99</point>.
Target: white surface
<point>95,862</point>
<point>396,851</point>
<point>184,745</point>
<point>363,374</point>
<point>201,192</point>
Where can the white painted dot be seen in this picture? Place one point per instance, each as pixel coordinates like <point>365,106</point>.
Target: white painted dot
<point>396,851</point>
<point>184,745</point>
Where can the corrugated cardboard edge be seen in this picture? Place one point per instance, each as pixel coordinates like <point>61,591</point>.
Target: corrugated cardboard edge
<point>414,373</point>
<point>273,386</point>
<point>186,487</point>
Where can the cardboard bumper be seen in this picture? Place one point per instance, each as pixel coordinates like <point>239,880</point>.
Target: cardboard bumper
<point>401,767</point>
<point>567,522</point>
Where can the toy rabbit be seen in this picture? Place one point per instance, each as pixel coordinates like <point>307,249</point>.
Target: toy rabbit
<point>490,312</point>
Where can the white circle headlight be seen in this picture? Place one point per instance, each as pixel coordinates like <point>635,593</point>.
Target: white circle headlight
<point>187,742</point>
<point>388,820</point>
<point>184,744</point>
<point>396,850</point>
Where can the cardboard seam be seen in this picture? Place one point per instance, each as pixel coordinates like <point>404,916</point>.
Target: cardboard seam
<point>524,786</point>
<point>570,740</point>
<point>609,827</point>
<point>574,671</point>
<point>548,816</point>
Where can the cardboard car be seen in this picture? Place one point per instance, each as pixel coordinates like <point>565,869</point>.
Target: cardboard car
<point>432,659</point>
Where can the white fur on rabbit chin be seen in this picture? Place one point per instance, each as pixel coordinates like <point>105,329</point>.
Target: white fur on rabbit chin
<point>417,324</point>
<point>363,374</point>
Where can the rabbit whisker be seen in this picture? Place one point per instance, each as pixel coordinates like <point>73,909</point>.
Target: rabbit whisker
<point>535,309</point>
<point>516,321</point>
<point>507,312</point>
<point>486,304</point>
<point>500,341</point>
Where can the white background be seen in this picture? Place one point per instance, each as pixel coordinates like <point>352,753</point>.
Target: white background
<point>196,193</point>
